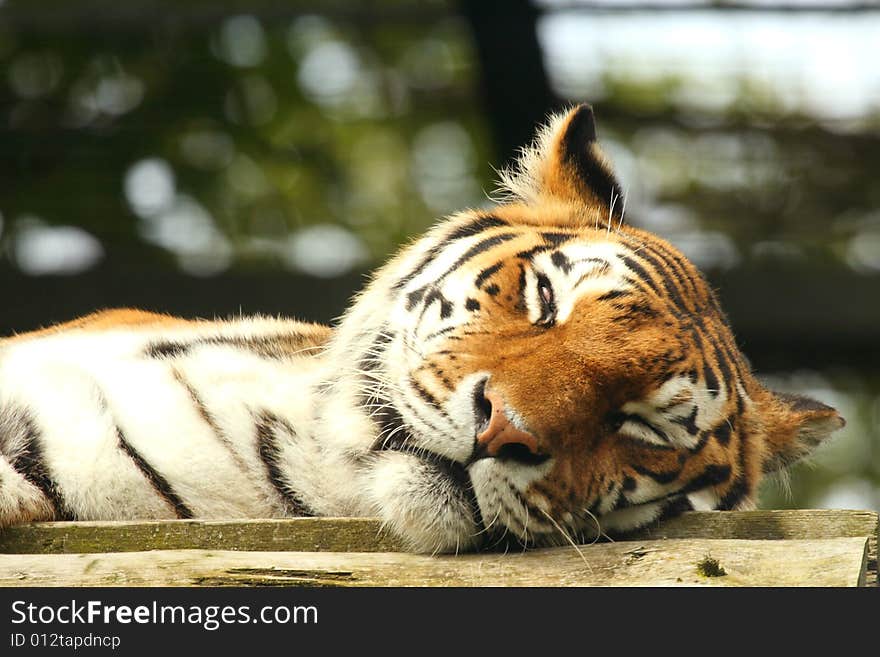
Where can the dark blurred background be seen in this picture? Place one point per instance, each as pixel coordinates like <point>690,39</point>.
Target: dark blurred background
<point>211,157</point>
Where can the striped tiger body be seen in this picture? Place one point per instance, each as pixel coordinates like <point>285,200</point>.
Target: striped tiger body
<point>539,372</point>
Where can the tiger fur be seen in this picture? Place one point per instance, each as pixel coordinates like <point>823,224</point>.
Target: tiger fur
<point>536,372</point>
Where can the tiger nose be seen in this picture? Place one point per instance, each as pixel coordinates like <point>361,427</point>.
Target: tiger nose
<point>501,438</point>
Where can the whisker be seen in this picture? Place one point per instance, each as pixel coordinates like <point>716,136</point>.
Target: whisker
<point>611,213</point>
<point>622,212</point>
<point>486,530</point>
<point>568,538</point>
<point>599,532</point>
<point>525,532</point>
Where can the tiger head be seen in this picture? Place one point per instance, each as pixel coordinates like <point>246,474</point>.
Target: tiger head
<point>543,372</point>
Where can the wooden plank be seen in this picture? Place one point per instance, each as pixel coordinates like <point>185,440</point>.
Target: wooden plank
<point>365,534</point>
<point>295,534</point>
<point>776,525</point>
<point>674,562</point>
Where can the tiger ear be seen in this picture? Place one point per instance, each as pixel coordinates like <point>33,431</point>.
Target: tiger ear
<point>565,162</point>
<point>795,425</point>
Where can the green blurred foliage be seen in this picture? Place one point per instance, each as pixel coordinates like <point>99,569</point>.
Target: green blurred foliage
<point>263,127</point>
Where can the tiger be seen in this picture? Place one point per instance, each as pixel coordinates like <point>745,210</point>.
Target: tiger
<point>534,372</point>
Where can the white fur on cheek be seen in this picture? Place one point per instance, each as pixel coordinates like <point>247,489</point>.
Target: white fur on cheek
<point>502,491</point>
<point>631,518</point>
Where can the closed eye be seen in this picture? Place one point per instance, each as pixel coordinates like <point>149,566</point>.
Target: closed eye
<point>547,299</point>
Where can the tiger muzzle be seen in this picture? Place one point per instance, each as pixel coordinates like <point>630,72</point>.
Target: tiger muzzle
<point>500,438</point>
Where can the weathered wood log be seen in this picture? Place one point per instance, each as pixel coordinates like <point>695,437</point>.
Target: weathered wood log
<point>776,525</point>
<point>360,535</point>
<point>294,534</point>
<point>366,535</point>
<point>674,562</point>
